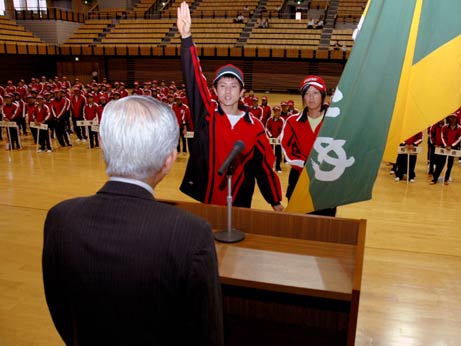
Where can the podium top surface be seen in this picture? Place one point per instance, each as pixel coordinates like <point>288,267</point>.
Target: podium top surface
<point>289,265</point>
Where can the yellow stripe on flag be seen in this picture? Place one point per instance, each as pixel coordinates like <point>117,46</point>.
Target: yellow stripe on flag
<point>434,91</point>
<point>428,90</point>
<point>301,200</point>
<point>394,137</point>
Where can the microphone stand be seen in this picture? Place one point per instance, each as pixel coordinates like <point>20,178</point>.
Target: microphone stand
<point>229,235</point>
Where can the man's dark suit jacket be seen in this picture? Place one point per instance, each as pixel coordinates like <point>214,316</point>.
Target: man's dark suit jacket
<point>120,268</point>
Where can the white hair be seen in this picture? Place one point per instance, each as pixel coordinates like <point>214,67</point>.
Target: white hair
<point>138,133</point>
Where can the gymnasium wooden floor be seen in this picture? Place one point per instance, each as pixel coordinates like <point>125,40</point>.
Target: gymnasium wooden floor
<point>411,289</point>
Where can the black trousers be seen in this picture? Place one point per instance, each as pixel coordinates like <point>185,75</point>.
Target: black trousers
<point>182,140</point>
<point>34,131</point>
<point>22,125</point>
<point>431,154</point>
<point>278,157</point>
<point>44,139</point>
<point>13,137</point>
<point>402,166</point>
<point>439,161</point>
<point>450,161</point>
<point>79,130</point>
<point>61,133</point>
<point>93,137</point>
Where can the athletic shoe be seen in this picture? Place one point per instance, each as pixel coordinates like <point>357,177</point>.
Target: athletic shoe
<point>39,150</point>
<point>412,180</point>
<point>397,179</point>
<point>48,151</point>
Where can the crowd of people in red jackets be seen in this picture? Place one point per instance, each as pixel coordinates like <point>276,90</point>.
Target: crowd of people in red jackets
<point>61,104</point>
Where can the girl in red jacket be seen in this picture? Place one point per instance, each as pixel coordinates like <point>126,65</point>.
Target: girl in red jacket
<point>301,130</point>
<point>451,138</point>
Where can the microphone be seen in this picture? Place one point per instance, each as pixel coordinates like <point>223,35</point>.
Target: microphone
<point>238,147</point>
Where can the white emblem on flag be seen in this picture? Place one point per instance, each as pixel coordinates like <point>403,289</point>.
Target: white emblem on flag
<point>333,112</point>
<point>339,163</point>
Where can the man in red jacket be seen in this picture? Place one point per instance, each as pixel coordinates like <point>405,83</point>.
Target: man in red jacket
<point>184,121</point>
<point>451,139</point>
<point>401,165</point>
<point>77,103</point>
<point>267,110</point>
<point>43,116</point>
<point>10,111</point>
<point>218,126</point>
<point>274,128</point>
<point>91,112</point>
<point>58,109</point>
<point>30,114</point>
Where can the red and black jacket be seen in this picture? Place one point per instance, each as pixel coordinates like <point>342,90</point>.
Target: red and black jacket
<point>297,139</point>
<point>213,141</point>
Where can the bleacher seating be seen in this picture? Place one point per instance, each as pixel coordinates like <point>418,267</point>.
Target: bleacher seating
<point>170,12</point>
<point>11,32</point>
<point>214,30</point>
<point>349,13</point>
<point>284,33</point>
<point>351,7</point>
<point>88,32</point>
<point>139,31</point>
<point>141,8</point>
<point>273,9</point>
<point>319,4</point>
<point>224,9</point>
<point>107,13</point>
<point>207,32</point>
<point>342,38</point>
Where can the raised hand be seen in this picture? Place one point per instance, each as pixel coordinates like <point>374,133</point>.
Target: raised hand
<point>184,21</point>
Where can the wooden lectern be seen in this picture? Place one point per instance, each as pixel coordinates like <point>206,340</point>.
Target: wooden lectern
<point>294,280</point>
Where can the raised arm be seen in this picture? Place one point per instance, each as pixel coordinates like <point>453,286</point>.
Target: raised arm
<point>184,21</point>
<point>199,97</point>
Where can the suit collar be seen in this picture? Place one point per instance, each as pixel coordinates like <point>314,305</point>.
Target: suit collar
<point>125,189</point>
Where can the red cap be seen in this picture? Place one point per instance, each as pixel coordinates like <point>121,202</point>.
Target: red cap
<point>314,81</point>
<point>229,69</point>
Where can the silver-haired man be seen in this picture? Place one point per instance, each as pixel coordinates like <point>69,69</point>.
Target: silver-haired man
<point>120,268</point>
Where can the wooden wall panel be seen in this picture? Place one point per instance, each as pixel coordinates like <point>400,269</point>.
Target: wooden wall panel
<point>117,69</point>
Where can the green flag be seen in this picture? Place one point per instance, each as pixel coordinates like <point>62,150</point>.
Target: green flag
<point>374,89</point>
